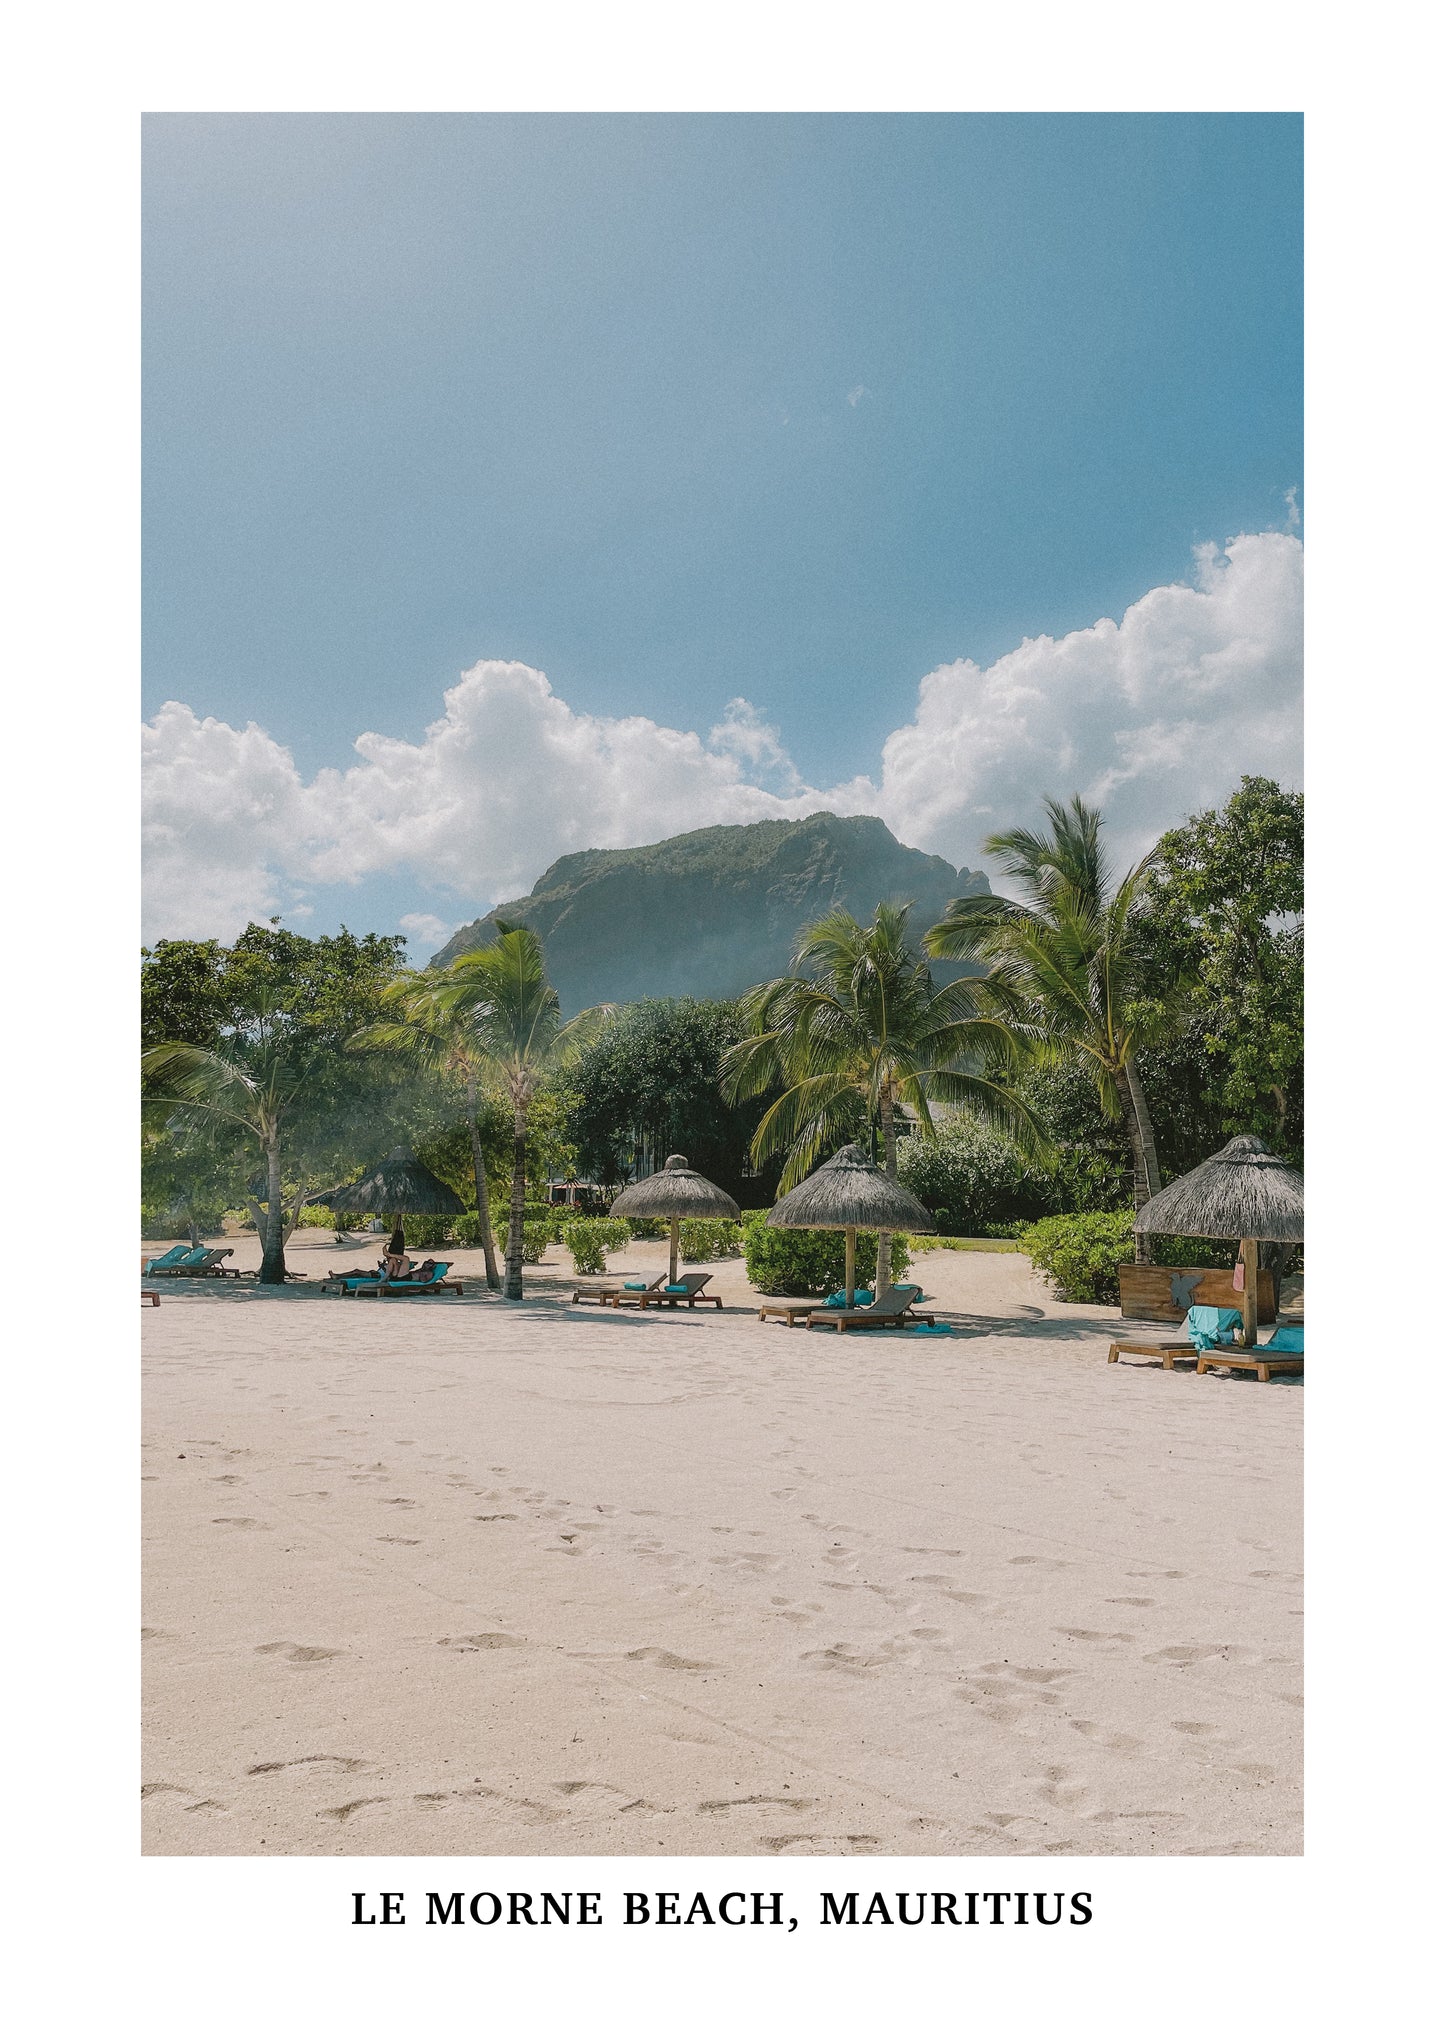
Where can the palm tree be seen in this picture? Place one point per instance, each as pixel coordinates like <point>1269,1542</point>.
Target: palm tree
<point>500,997</point>
<point>435,1040</point>
<point>860,1021</point>
<point>258,1101</point>
<point>1067,967</point>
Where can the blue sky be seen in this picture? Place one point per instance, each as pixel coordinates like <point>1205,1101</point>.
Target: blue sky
<point>682,409</point>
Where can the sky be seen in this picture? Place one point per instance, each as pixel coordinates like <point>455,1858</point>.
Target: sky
<point>520,483</point>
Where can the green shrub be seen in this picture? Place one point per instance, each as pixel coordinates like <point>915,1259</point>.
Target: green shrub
<point>1194,1252</point>
<point>710,1241</point>
<point>589,1241</point>
<point>1080,1254</point>
<point>650,1231</point>
<point>794,1262</point>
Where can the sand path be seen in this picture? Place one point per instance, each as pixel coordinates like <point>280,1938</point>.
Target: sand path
<point>459,1576</point>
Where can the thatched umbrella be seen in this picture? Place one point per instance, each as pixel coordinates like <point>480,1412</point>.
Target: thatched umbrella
<point>1245,1194</point>
<point>399,1185</point>
<point>676,1193</point>
<point>850,1193</point>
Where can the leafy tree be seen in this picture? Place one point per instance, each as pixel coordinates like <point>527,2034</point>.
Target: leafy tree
<point>501,997</point>
<point>1224,909</point>
<point>1068,970</point>
<point>860,1018</point>
<point>438,1038</point>
<point>649,1084</point>
<point>274,1014</point>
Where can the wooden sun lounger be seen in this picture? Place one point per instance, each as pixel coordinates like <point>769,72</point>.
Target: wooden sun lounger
<point>694,1280</point>
<point>1168,1353</point>
<point>1265,1362</point>
<point>893,1309</point>
<point>154,1297</point>
<point>791,1314</point>
<point>608,1291</point>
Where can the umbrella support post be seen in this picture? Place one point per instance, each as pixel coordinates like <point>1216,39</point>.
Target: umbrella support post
<point>850,1247</point>
<point>672,1251</point>
<point>1251,1293</point>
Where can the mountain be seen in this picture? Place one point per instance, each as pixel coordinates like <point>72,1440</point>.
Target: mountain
<point>713,911</point>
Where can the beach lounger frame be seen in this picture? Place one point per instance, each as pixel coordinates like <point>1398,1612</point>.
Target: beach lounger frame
<point>893,1308</point>
<point>695,1295</point>
<point>1265,1361</point>
<point>612,1291</point>
<point>1168,1353</point>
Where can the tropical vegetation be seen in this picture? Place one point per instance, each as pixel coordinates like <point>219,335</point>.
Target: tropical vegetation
<point>857,1031</point>
<point>1109,1032</point>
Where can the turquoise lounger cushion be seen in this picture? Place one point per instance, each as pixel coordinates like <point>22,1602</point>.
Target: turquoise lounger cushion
<point>1291,1340</point>
<point>1207,1326</point>
<point>631,1285</point>
<point>675,1288</point>
<point>861,1297</point>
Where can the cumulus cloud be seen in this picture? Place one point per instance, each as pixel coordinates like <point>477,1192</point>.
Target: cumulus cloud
<point>1153,716</point>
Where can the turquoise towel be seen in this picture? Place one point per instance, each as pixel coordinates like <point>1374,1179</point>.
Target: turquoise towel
<point>630,1286</point>
<point>1206,1326</point>
<point>1287,1340</point>
<point>861,1297</point>
<point>674,1288</point>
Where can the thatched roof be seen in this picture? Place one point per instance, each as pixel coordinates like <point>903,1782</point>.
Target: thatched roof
<point>1245,1192</point>
<point>675,1193</point>
<point>849,1192</point>
<point>398,1185</point>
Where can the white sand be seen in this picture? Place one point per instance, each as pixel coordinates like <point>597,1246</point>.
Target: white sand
<point>458,1576</point>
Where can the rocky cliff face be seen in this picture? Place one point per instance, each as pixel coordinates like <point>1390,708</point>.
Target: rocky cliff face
<point>716,910</point>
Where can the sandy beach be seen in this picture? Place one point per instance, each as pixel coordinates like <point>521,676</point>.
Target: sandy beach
<point>464,1576</point>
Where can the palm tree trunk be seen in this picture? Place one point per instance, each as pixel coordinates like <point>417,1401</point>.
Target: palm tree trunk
<point>1133,1108</point>
<point>883,1270</point>
<point>512,1289</point>
<point>273,1254</point>
<point>479,1172</point>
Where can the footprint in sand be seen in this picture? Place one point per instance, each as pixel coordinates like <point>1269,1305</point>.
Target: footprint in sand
<point>490,1518</point>
<point>1036,1561</point>
<point>163,1788</point>
<point>724,1804</point>
<point>820,1842</point>
<point>480,1642</point>
<point>341,1760</point>
<point>1189,1656</point>
<point>290,1651</point>
<point>660,1657</point>
<point>1080,1632</point>
<point>257,1525</point>
<point>345,1810</point>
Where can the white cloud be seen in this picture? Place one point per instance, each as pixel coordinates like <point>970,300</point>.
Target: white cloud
<point>856,395</point>
<point>424,932</point>
<point>1155,716</point>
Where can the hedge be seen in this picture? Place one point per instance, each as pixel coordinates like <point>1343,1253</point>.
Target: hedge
<point>589,1241</point>
<point>796,1262</point>
<point>710,1241</point>
<point>1081,1253</point>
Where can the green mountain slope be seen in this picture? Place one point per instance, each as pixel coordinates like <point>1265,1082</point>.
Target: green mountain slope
<point>716,910</point>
